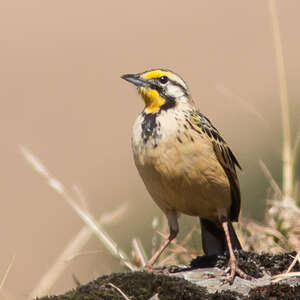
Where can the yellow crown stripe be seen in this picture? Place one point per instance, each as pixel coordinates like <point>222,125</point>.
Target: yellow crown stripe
<point>155,74</point>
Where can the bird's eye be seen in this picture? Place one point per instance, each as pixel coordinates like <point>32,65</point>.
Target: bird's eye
<point>163,79</point>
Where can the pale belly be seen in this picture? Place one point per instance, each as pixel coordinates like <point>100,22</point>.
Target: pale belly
<point>184,176</point>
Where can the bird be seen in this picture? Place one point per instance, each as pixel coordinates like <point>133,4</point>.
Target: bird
<point>185,164</point>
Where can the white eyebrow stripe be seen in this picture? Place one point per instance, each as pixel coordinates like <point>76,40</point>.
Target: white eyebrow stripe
<point>177,80</point>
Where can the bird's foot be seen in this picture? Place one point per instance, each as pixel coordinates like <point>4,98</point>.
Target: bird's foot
<point>233,270</point>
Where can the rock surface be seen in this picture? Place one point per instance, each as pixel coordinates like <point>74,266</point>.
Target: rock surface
<point>204,279</point>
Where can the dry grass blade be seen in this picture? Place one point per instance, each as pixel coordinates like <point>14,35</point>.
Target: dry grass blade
<point>286,150</point>
<point>296,190</point>
<point>85,216</point>
<point>7,272</point>
<point>179,249</point>
<point>262,240</point>
<point>288,272</point>
<point>120,291</point>
<point>80,254</point>
<point>293,263</point>
<point>54,272</point>
<point>227,93</point>
<point>295,148</point>
<point>71,251</point>
<point>272,182</point>
<point>281,229</point>
<point>140,251</point>
<point>114,215</point>
<point>283,276</point>
<point>80,196</point>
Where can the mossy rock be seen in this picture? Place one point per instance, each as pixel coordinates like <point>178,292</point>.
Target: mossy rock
<point>197,283</point>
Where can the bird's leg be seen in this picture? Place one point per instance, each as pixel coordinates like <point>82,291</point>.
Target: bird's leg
<point>233,263</point>
<point>157,254</point>
<point>173,226</point>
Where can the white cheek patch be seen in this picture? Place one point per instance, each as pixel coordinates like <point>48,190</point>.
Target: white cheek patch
<point>174,91</point>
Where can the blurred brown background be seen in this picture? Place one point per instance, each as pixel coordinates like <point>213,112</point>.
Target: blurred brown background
<point>62,96</point>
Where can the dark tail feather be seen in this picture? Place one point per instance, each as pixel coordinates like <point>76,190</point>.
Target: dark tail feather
<point>214,240</point>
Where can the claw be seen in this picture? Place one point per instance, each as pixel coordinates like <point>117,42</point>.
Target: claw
<point>234,270</point>
<point>233,267</point>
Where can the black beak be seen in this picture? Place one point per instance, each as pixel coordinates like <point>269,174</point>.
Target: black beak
<point>135,79</point>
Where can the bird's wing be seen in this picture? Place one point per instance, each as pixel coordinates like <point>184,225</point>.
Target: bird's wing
<point>225,157</point>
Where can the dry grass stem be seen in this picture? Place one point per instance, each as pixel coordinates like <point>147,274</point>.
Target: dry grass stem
<point>71,251</point>
<point>81,198</point>
<point>286,149</point>
<point>119,290</point>
<point>296,259</point>
<point>156,241</point>
<point>296,190</point>
<point>139,251</point>
<point>80,254</point>
<point>264,239</point>
<point>179,252</point>
<point>272,182</point>
<point>281,229</point>
<point>250,108</point>
<point>114,215</point>
<point>283,276</point>
<point>83,214</point>
<point>59,266</point>
<point>295,148</point>
<point>7,272</point>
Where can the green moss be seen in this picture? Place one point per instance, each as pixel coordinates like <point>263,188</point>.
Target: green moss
<point>143,285</point>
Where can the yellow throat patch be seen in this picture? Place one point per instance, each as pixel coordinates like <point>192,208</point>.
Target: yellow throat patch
<point>153,100</point>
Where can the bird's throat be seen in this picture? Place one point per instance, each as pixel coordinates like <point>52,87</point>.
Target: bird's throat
<point>153,100</point>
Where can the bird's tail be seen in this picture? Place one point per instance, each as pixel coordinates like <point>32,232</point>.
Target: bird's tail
<point>214,239</point>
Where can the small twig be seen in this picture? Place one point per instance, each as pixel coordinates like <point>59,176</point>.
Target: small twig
<point>293,263</point>
<point>119,290</point>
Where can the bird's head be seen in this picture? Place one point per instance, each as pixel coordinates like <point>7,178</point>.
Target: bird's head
<point>160,89</point>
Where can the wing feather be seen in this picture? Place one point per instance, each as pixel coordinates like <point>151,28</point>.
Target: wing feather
<point>225,156</point>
